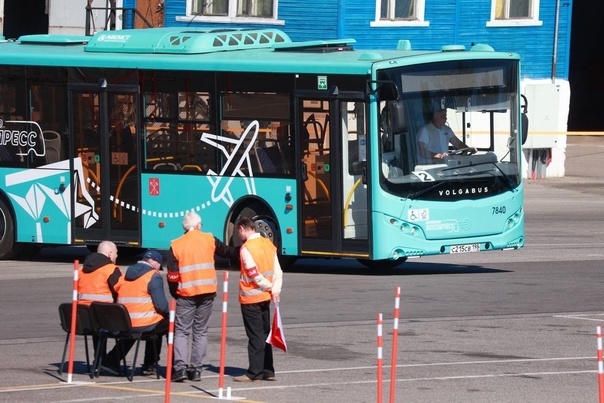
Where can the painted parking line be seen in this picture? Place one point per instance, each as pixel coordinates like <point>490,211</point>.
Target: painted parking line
<point>211,394</point>
<point>584,316</point>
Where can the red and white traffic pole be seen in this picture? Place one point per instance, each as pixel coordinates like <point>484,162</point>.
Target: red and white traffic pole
<point>170,351</point>
<point>380,341</point>
<point>225,298</point>
<point>74,315</point>
<point>600,366</point>
<point>397,301</point>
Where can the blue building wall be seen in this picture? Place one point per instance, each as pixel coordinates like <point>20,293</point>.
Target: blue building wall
<point>450,22</point>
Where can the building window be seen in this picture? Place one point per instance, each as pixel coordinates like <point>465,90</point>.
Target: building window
<point>234,8</point>
<point>390,13</point>
<point>397,10</point>
<point>514,13</point>
<point>508,9</point>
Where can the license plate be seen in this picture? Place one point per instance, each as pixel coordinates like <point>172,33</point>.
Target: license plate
<point>474,247</point>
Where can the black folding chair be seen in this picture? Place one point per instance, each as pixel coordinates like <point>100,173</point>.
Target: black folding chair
<point>85,326</point>
<point>114,322</point>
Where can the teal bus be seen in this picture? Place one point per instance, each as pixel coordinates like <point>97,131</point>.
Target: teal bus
<point>118,135</point>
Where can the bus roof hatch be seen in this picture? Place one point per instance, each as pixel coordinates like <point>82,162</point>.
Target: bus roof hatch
<point>183,41</point>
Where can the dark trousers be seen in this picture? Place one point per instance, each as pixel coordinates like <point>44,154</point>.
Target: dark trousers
<point>160,329</point>
<point>257,322</point>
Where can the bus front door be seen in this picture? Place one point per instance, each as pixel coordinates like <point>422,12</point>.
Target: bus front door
<point>333,194</point>
<point>104,123</point>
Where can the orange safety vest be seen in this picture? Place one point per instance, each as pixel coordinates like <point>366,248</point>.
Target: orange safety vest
<point>195,254</point>
<point>263,251</point>
<point>137,300</point>
<point>93,286</point>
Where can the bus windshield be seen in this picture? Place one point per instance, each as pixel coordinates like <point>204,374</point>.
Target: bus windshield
<point>453,132</point>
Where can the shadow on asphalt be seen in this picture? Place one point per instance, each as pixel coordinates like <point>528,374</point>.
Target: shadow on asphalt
<point>126,257</point>
<point>67,254</point>
<point>409,268</point>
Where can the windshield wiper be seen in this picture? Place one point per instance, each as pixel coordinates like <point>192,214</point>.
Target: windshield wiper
<point>504,178</point>
<point>423,191</point>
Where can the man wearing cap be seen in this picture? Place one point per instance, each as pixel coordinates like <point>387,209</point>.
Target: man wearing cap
<point>434,138</point>
<point>141,291</point>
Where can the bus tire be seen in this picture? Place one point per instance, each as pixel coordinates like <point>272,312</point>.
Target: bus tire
<point>382,263</point>
<point>268,227</point>
<point>8,247</point>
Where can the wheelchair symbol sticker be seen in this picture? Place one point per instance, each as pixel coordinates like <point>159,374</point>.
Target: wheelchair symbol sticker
<point>421,214</point>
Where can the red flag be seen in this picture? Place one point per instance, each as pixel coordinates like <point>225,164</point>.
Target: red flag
<point>276,337</point>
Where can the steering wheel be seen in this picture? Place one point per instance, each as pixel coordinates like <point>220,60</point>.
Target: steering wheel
<point>462,151</point>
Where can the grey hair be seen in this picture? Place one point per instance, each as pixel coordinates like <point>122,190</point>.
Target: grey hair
<point>191,220</point>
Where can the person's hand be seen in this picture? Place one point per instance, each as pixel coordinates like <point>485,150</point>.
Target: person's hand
<point>440,156</point>
<point>276,298</point>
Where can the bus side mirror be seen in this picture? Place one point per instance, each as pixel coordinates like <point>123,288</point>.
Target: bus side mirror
<point>398,118</point>
<point>525,123</point>
<point>525,120</point>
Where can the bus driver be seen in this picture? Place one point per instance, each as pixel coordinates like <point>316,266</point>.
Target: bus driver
<point>434,139</point>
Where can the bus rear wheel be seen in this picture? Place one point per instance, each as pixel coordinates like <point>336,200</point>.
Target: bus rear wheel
<point>382,263</point>
<point>8,247</point>
<point>267,226</point>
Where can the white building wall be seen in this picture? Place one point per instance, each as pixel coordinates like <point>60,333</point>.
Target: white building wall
<point>548,108</point>
<point>68,17</point>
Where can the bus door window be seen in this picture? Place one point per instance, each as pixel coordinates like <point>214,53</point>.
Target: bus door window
<point>86,141</point>
<point>123,158</point>
<point>354,145</point>
<point>317,162</point>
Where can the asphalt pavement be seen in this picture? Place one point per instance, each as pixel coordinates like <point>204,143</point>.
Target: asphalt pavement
<point>512,326</point>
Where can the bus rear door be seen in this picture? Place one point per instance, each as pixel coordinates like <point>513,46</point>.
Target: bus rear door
<point>104,125</point>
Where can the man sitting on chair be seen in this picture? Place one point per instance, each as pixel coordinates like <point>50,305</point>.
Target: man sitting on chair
<point>141,291</point>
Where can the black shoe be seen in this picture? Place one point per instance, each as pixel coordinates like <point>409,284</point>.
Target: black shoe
<point>111,369</point>
<point>194,374</point>
<point>179,375</point>
<point>149,370</point>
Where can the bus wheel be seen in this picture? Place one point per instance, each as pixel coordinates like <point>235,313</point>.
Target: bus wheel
<point>268,228</point>
<point>381,264</point>
<point>8,248</point>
